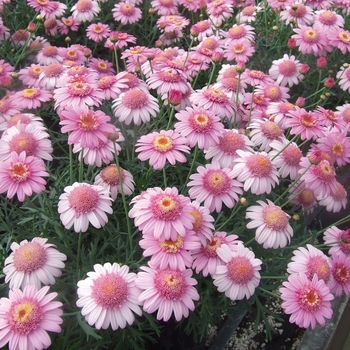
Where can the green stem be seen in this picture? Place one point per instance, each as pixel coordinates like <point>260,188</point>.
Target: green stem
<point>339,222</point>
<point>233,212</point>
<point>70,164</point>
<point>269,293</point>
<point>172,112</point>
<point>79,252</point>
<point>164,177</point>
<point>81,165</point>
<point>192,166</point>
<point>288,144</point>
<point>116,58</point>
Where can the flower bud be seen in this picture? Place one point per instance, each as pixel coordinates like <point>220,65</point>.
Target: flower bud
<point>329,83</point>
<point>321,62</point>
<point>175,97</point>
<point>304,68</point>
<point>31,27</point>
<point>300,102</point>
<point>292,43</point>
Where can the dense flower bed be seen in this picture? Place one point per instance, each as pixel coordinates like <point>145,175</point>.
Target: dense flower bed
<point>159,161</point>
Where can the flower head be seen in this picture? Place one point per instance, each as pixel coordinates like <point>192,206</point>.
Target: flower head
<point>306,301</point>
<point>35,262</point>
<point>81,204</point>
<point>338,240</point>
<point>238,276</point>
<point>341,274</point>
<point>168,291</point>
<point>26,316</point>
<point>108,296</point>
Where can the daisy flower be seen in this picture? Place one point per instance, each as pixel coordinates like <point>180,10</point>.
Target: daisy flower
<point>81,204</point>
<point>264,132</point>
<point>285,71</point>
<point>168,291</point>
<point>336,200</point>
<point>26,317</point>
<point>29,76</point>
<point>97,31</point>
<point>163,213</point>
<point>214,185</point>
<point>271,223</point>
<point>8,107</point>
<point>224,151</point>
<point>168,79</point>
<point>256,170</point>
<point>255,77</point>
<point>311,40</point>
<point>328,20</point>
<point>111,85</point>
<point>298,13</point>
<point>136,106</point>
<point>321,178</point>
<point>206,259</point>
<point>339,38</point>
<point>23,118</point>
<point>102,67</point>
<point>49,54</point>
<point>304,123</point>
<point>214,101</point>
<point>50,75</point>
<point>302,196</point>
<point>25,138</point>
<point>126,12</point>
<point>337,145</point>
<point>109,297</point>
<point>35,262</point>
<point>85,126</point>
<point>344,112</point>
<point>287,156</point>
<point>78,94</point>
<point>31,98</point>
<point>219,10</point>
<point>239,50</point>
<point>330,119</point>
<point>239,31</point>
<point>159,147</point>
<point>22,175</point>
<point>338,240</point>
<point>173,254</point>
<point>310,261</point>
<point>85,10</point>
<point>202,226</point>
<point>341,274</point>
<point>306,301</point>
<point>239,276</point>
<point>248,14</point>
<point>165,7</point>
<point>202,29</point>
<point>109,179</point>
<point>344,78</point>
<point>199,127</point>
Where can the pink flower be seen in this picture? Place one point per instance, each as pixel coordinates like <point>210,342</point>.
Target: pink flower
<point>304,123</point>
<point>168,291</point>
<point>126,12</point>
<point>31,98</point>
<point>35,263</point>
<point>214,185</point>
<point>328,20</point>
<point>97,31</point>
<point>30,75</point>
<point>311,40</point>
<point>78,94</point>
<point>163,213</point>
<point>102,67</point>
<point>50,75</point>
<point>336,201</point>
<point>136,106</point>
<point>320,178</point>
<point>239,50</point>
<point>112,85</point>
<point>109,179</point>
<point>108,296</point>
<point>85,126</point>
<point>165,7</point>
<point>285,71</point>
<point>340,38</point>
<point>25,138</point>
<point>338,239</point>
<point>306,301</point>
<point>341,274</point>
<point>271,223</point>
<point>85,10</point>
<point>199,127</point>
<point>27,316</point>
<point>206,258</point>
<point>256,171</point>
<point>310,261</point>
<point>173,254</point>
<point>214,101</point>
<point>224,151</point>
<point>81,204</point>
<point>297,13</point>
<point>344,78</point>
<point>255,77</point>
<point>238,277</point>
<point>159,147</point>
<point>49,54</point>
<point>287,157</point>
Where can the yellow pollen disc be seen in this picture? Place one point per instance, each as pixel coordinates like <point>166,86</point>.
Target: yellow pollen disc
<point>23,312</point>
<point>337,149</point>
<point>108,289</point>
<point>29,93</point>
<point>311,34</point>
<point>171,280</point>
<point>167,204</point>
<point>312,298</point>
<point>102,65</point>
<point>326,169</point>
<point>42,2</point>
<point>344,37</point>
<point>98,29</point>
<point>87,120</point>
<point>238,48</point>
<point>135,51</point>
<point>172,246</point>
<point>201,119</point>
<point>216,180</point>
<point>68,22</point>
<point>163,143</point>
<point>19,170</point>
